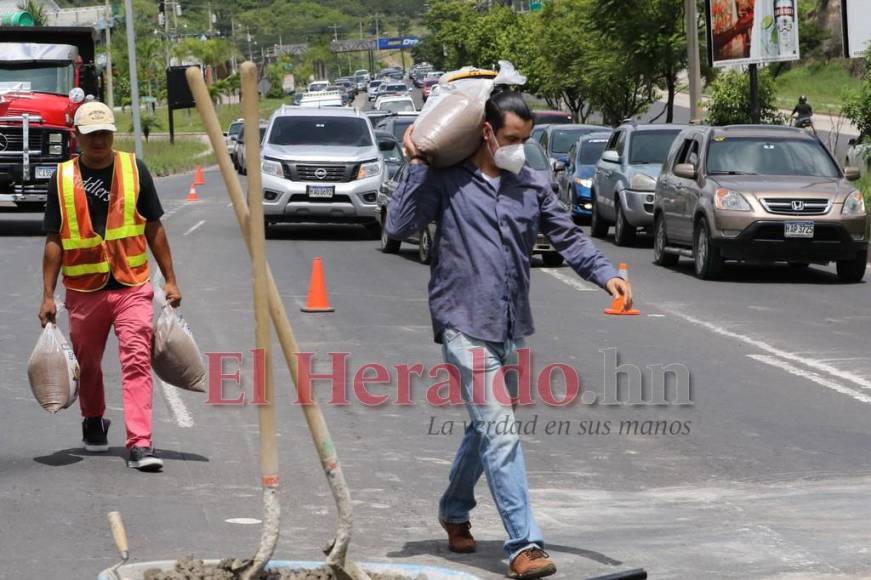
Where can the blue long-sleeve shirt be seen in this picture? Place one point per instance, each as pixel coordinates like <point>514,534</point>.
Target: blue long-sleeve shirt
<point>480,261</point>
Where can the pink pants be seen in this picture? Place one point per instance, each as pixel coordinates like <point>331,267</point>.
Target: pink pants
<point>129,311</point>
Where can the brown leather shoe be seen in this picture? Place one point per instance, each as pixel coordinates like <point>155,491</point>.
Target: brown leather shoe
<point>531,563</point>
<point>460,540</point>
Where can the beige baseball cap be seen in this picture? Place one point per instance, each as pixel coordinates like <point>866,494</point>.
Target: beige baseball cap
<point>94,116</point>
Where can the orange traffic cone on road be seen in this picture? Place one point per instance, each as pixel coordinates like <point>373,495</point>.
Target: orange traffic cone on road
<point>192,193</point>
<point>618,305</point>
<point>199,179</point>
<point>317,300</point>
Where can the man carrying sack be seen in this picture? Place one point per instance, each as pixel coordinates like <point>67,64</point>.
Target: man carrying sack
<point>101,211</point>
<point>489,210</point>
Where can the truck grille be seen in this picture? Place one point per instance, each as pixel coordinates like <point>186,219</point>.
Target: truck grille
<point>12,140</point>
<point>796,206</point>
<point>321,172</point>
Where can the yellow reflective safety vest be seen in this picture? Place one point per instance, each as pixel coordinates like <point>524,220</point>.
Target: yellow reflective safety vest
<point>88,258</point>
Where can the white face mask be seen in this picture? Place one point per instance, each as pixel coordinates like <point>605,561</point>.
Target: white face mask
<point>509,157</point>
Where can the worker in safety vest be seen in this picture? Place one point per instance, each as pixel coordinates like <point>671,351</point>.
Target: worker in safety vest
<point>102,210</point>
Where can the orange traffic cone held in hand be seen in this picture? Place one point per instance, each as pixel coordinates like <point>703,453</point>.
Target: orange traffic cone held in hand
<point>192,194</point>
<point>198,176</point>
<point>618,305</point>
<point>317,300</point>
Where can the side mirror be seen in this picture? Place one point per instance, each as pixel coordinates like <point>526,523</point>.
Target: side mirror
<point>225,133</point>
<point>685,170</point>
<point>852,173</point>
<point>558,166</point>
<point>385,145</point>
<point>611,156</point>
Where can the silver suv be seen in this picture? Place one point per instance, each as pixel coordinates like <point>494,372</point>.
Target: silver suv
<point>321,166</point>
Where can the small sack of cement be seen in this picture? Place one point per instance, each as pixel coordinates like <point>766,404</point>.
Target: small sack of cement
<point>175,356</point>
<point>448,129</point>
<point>53,370</point>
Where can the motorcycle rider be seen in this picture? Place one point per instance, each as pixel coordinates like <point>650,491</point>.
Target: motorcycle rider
<point>803,114</point>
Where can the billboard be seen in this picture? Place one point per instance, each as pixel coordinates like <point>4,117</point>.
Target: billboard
<point>751,31</point>
<point>397,43</point>
<point>857,26</point>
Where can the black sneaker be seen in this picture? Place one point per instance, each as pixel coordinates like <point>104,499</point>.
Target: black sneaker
<point>94,434</point>
<point>143,459</point>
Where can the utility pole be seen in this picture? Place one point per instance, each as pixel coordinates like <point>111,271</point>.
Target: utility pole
<point>250,54</point>
<point>233,42</point>
<point>210,18</point>
<point>335,28</point>
<point>134,79</point>
<point>110,97</point>
<point>694,66</point>
<point>377,43</point>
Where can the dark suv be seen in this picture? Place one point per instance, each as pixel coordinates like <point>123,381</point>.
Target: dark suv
<point>761,193</point>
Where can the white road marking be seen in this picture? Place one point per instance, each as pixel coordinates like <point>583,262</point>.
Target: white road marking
<point>176,406</point>
<point>817,365</point>
<point>194,227</point>
<point>574,282</point>
<point>811,376</point>
<point>656,315</point>
<point>243,521</point>
<point>230,204</point>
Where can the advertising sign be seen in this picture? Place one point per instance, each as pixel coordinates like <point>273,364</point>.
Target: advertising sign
<point>751,31</point>
<point>397,43</point>
<point>857,27</point>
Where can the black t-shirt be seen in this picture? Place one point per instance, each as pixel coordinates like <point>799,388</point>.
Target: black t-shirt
<point>803,110</point>
<point>98,184</point>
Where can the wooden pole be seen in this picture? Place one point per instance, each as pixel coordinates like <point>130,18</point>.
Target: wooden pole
<point>314,417</point>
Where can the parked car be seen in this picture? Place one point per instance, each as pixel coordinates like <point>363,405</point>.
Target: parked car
<point>535,158</point>
<point>391,151</point>
<point>230,139</point>
<point>241,165</point>
<point>859,156</point>
<point>321,166</point>
<point>577,180</point>
<point>622,189</point>
<point>397,124</point>
<point>761,193</point>
<point>558,139</point>
<point>552,117</point>
<point>395,104</point>
<point>372,88</point>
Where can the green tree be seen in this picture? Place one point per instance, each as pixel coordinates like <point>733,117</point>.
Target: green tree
<point>650,33</point>
<point>857,103</point>
<point>729,103</point>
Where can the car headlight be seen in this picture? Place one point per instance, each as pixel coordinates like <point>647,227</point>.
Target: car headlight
<point>642,182</point>
<point>730,200</point>
<point>270,167</point>
<point>854,204</point>
<point>369,169</point>
<point>588,183</point>
<point>55,138</point>
<point>55,149</point>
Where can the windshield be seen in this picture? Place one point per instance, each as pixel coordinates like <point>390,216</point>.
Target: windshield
<point>400,88</point>
<point>535,157</point>
<point>563,139</point>
<point>235,128</point>
<point>394,155</point>
<point>57,78</point>
<point>650,146</point>
<point>374,84</point>
<point>400,125</point>
<point>397,106</point>
<point>314,87</point>
<point>591,151</point>
<point>326,131</point>
<point>758,155</point>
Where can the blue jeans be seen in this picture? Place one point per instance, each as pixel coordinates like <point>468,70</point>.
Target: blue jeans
<point>487,449</point>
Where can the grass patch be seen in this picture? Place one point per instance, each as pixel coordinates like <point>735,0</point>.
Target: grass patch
<point>823,83</point>
<point>188,120</point>
<point>163,158</point>
<point>864,185</point>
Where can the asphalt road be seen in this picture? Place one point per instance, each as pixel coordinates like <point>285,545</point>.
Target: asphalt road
<point>768,475</point>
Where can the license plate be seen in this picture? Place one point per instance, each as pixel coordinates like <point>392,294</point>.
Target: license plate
<point>44,171</point>
<point>798,229</point>
<point>320,191</point>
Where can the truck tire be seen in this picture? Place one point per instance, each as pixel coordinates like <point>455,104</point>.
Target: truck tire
<point>598,226</point>
<point>707,263</point>
<point>660,241</point>
<point>624,232</point>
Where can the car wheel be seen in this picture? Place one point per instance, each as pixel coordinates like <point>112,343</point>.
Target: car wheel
<point>552,259</point>
<point>424,248</point>
<point>267,228</point>
<point>598,226</point>
<point>660,241</point>
<point>706,257</point>
<point>853,270</point>
<point>388,244</point>
<point>624,232</point>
